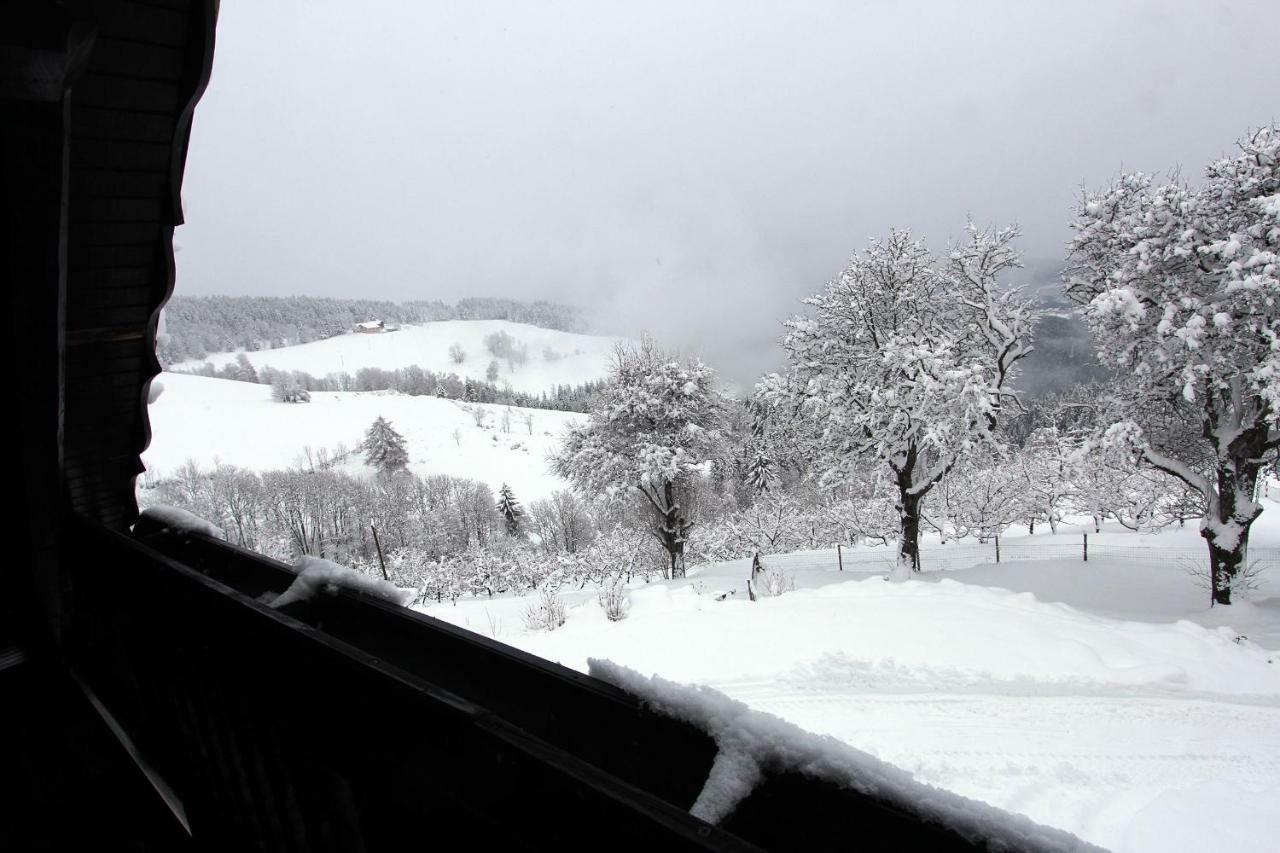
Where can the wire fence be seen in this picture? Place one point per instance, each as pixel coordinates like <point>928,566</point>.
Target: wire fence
<point>963,555</point>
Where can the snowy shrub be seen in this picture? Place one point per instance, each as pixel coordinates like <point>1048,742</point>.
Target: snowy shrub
<point>549,354</point>
<point>614,598</point>
<point>504,346</point>
<point>545,614</point>
<point>495,624</point>
<point>457,354</point>
<point>1249,579</point>
<point>774,582</point>
<point>288,389</point>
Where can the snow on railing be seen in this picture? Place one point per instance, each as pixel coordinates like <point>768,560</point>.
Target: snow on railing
<point>754,746</point>
<point>172,518</point>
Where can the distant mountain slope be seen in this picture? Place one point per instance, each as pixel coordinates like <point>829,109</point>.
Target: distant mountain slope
<point>197,325</point>
<point>553,357</point>
<point>237,423</point>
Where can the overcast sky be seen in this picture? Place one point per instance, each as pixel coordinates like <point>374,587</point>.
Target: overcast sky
<point>691,168</point>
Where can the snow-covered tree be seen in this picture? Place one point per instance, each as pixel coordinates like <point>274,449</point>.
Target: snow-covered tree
<point>1180,287</point>
<point>457,354</point>
<point>1046,464</point>
<point>510,510</point>
<point>986,498</point>
<point>654,429</point>
<point>384,448</point>
<point>562,522</point>
<point>287,389</point>
<point>906,362</point>
<point>244,370</point>
<point>761,472</point>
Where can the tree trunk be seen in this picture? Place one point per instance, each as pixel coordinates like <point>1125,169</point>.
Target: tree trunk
<point>908,535</point>
<point>672,529</point>
<point>1226,527</point>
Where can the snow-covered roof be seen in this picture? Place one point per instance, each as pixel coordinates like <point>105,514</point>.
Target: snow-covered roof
<point>371,324</point>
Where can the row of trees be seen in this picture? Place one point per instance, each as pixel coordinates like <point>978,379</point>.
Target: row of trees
<point>446,536</point>
<point>195,326</point>
<point>901,375</point>
<point>898,410</point>
<point>297,386</point>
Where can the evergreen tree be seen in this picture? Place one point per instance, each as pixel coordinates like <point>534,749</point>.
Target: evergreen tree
<point>384,448</point>
<point>760,472</point>
<point>243,370</point>
<point>510,510</point>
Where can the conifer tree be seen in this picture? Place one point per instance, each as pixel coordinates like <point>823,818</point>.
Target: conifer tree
<point>384,448</point>
<point>510,510</point>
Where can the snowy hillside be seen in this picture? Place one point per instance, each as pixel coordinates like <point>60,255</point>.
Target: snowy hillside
<point>1121,728</point>
<point>239,424</point>
<point>574,358</point>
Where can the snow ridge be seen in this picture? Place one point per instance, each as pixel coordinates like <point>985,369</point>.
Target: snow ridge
<point>753,744</point>
<point>316,575</point>
<point>173,518</point>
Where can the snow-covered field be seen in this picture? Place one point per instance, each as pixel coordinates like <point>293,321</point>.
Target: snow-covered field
<point>1133,716</point>
<point>582,358</point>
<point>238,423</point>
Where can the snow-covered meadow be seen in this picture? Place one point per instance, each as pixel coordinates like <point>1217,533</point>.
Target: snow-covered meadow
<point>574,358</point>
<point>1104,698</point>
<point>237,423</point>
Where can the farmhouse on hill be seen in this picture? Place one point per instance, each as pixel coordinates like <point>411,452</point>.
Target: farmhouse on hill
<point>372,327</point>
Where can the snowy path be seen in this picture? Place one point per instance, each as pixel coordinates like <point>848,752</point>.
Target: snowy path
<point>1112,769</point>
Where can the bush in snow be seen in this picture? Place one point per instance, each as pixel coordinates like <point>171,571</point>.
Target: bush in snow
<point>1248,580</point>
<point>457,354</point>
<point>287,389</point>
<point>614,598</point>
<point>774,582</point>
<point>504,346</point>
<point>545,614</point>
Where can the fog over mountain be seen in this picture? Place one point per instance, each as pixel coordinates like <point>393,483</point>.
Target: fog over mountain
<point>691,169</point>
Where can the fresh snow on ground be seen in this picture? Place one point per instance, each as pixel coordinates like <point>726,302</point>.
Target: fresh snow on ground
<point>238,423</point>
<point>1111,703</point>
<point>582,358</point>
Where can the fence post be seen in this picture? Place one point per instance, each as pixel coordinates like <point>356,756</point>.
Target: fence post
<point>378,545</point>
<point>997,547</point>
<point>1086,547</point>
<point>839,557</point>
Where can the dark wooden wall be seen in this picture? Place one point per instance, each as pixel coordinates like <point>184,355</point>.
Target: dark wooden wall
<point>129,116</point>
